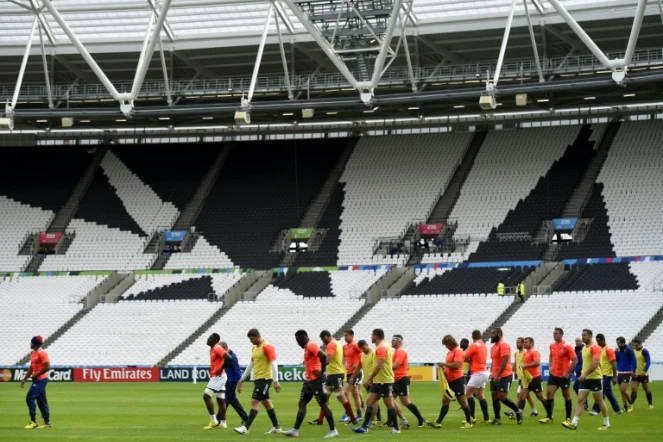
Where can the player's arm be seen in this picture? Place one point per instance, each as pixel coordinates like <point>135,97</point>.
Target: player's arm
<point>645,354</point>
<point>614,370</point>
<point>513,364</point>
<point>534,363</point>
<point>378,366</point>
<point>469,353</point>
<point>323,362</point>
<point>247,372</point>
<point>355,373</point>
<point>331,351</point>
<point>27,375</point>
<point>398,360</point>
<point>503,361</point>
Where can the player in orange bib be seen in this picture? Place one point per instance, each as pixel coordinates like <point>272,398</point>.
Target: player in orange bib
<point>532,380</point>
<point>315,363</point>
<point>476,355</point>
<point>351,355</point>
<point>563,362</point>
<point>402,383</point>
<point>453,371</point>
<point>40,364</point>
<point>217,382</point>
<point>501,375</point>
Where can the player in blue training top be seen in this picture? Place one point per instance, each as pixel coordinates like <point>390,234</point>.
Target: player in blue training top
<point>626,366</point>
<point>642,372</point>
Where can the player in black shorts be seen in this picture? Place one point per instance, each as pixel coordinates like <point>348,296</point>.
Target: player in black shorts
<point>315,362</point>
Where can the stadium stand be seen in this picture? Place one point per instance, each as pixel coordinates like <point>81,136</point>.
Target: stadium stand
<point>389,183</point>
<point>612,313</point>
<point>544,202</point>
<point>172,171</point>
<point>203,255</point>
<point>129,333</point>
<point>114,222</point>
<point>181,287</point>
<point>467,280</point>
<point>17,221</point>
<point>596,242</point>
<point>31,196</point>
<point>262,189</point>
<point>43,302</point>
<point>327,253</point>
<point>649,275</point>
<point>274,311</point>
<point>655,344</point>
<point>633,184</point>
<point>424,320</point>
<point>597,277</point>
<point>506,169</point>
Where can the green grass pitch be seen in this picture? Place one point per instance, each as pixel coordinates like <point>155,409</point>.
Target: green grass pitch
<point>175,411</point>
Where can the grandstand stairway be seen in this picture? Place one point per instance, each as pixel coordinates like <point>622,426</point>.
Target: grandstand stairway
<point>504,317</point>
<point>583,190</point>
<point>651,326</point>
<point>318,205</point>
<point>191,339</point>
<point>66,213</point>
<point>188,216</point>
<point>445,204</point>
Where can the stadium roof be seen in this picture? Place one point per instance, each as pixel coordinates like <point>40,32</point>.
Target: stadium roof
<point>209,50</point>
<point>119,25</point>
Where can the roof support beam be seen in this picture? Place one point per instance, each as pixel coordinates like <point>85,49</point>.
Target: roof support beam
<point>256,67</point>
<point>44,24</point>
<point>444,52</point>
<point>166,26</point>
<point>536,50</point>
<point>284,59</point>
<point>284,17</point>
<point>21,4</point>
<point>635,31</point>
<point>505,39</point>
<point>539,7</point>
<point>45,63</point>
<point>21,72</point>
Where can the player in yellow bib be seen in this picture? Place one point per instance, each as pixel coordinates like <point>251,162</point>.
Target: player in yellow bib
<point>335,375</point>
<point>518,362</point>
<point>643,361</point>
<point>366,361</point>
<point>381,383</point>
<point>265,373</point>
<point>590,382</point>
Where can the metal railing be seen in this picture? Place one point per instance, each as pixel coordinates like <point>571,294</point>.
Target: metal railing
<point>225,86</point>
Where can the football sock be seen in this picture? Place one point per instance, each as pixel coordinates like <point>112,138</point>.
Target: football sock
<point>348,410</point>
<point>497,407</point>
<point>472,404</point>
<point>468,416</point>
<point>634,396</point>
<point>649,398</point>
<point>521,404</point>
<point>443,412</point>
<point>413,408</point>
<point>330,418</point>
<point>358,413</point>
<point>509,403</point>
<point>368,416</point>
<point>378,414</point>
<point>392,415</point>
<point>272,416</point>
<point>569,407</point>
<point>299,419</point>
<point>575,421</point>
<point>212,417</point>
<point>484,409</point>
<point>252,415</point>
<point>321,416</point>
<point>549,408</point>
<point>606,421</point>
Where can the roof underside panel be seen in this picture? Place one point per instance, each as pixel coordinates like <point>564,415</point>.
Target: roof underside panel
<point>95,21</point>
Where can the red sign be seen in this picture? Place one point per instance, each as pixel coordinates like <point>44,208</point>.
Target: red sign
<point>430,229</point>
<point>151,374</point>
<point>49,238</point>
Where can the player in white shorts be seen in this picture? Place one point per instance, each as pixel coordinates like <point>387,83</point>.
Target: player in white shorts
<point>216,387</point>
<point>476,355</point>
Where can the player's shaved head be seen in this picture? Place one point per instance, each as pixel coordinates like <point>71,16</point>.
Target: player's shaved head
<point>464,343</point>
<point>361,343</point>
<point>253,333</point>
<point>213,339</point>
<point>495,335</point>
<point>600,339</point>
<point>621,341</point>
<point>349,332</point>
<point>379,333</point>
<point>476,334</point>
<point>559,330</point>
<point>588,332</point>
<point>325,334</point>
<point>224,345</point>
<point>301,337</point>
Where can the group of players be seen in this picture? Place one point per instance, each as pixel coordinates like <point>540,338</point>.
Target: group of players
<point>383,368</point>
